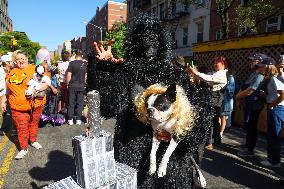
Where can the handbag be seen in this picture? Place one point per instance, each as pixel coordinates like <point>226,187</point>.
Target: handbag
<point>217,98</point>
<point>199,179</point>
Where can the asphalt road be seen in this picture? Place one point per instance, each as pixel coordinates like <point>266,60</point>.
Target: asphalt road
<point>221,167</point>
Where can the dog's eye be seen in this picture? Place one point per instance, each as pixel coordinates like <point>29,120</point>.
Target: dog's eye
<point>162,103</point>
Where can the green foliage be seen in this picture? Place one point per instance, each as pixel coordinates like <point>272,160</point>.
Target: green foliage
<point>247,16</point>
<point>23,43</point>
<point>117,35</point>
<point>55,60</point>
<point>252,13</point>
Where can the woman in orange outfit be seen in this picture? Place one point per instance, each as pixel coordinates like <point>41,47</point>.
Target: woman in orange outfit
<point>26,111</point>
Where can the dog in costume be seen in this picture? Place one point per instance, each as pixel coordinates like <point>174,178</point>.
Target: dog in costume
<point>147,65</point>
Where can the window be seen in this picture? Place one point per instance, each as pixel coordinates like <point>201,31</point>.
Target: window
<point>242,31</point>
<point>185,36</point>
<point>200,3</point>
<point>274,24</point>
<point>154,11</point>
<point>219,34</point>
<point>129,6</point>
<point>173,9</point>
<point>200,29</point>
<point>282,23</point>
<point>162,11</point>
<point>121,7</point>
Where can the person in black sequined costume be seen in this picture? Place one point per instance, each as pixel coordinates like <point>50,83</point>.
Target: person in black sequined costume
<point>148,61</point>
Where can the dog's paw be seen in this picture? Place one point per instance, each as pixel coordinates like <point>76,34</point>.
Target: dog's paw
<point>152,169</point>
<point>162,170</point>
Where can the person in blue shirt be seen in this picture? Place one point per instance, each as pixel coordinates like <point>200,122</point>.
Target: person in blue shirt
<point>275,114</point>
<point>253,101</point>
<point>228,101</point>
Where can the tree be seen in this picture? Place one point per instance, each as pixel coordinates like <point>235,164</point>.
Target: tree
<point>248,15</point>
<point>117,35</point>
<point>252,13</point>
<point>22,42</point>
<point>55,59</point>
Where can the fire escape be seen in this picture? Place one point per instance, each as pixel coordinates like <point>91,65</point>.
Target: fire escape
<point>176,10</point>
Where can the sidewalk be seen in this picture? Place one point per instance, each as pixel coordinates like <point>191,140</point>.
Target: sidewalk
<point>224,169</point>
<point>221,167</point>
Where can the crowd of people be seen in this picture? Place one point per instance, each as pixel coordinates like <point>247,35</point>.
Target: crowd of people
<point>37,93</point>
<point>55,93</point>
<point>263,88</point>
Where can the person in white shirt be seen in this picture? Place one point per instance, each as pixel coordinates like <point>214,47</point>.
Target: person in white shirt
<point>62,68</point>
<point>217,80</point>
<point>6,65</point>
<point>275,115</point>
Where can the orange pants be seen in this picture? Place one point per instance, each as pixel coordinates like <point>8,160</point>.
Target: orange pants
<point>27,125</point>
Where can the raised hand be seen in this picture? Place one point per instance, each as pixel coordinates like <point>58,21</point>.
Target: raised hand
<point>105,54</point>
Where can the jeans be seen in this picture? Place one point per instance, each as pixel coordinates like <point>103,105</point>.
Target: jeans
<point>251,119</point>
<point>76,100</point>
<point>275,122</point>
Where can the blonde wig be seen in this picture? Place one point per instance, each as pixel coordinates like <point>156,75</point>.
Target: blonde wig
<point>183,112</point>
<point>271,70</point>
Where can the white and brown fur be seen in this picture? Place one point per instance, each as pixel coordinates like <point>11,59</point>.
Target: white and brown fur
<point>166,109</point>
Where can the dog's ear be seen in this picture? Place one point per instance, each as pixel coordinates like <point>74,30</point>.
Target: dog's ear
<point>170,93</point>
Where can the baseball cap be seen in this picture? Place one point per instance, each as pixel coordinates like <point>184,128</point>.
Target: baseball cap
<point>263,59</point>
<point>6,58</point>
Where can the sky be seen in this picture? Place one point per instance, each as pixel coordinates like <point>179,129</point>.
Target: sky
<point>51,22</point>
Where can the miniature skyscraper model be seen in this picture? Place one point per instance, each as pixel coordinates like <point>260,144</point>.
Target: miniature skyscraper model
<point>94,157</point>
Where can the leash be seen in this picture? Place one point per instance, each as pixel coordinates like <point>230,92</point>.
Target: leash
<point>200,180</point>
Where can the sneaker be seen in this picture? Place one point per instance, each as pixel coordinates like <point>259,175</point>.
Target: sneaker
<point>36,145</point>
<point>70,122</point>
<point>245,153</point>
<point>78,122</point>
<point>266,163</point>
<point>21,154</point>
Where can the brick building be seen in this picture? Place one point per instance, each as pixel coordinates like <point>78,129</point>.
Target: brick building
<point>6,24</point>
<point>103,21</point>
<point>79,43</point>
<point>272,24</point>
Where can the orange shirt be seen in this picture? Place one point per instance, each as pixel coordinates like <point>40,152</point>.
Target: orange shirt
<point>16,82</point>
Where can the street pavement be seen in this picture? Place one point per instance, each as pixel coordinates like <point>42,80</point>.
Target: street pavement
<point>221,167</point>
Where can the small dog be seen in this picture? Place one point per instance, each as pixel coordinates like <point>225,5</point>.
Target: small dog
<point>167,110</point>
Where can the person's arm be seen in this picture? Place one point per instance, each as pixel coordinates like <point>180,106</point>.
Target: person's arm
<point>4,103</point>
<point>280,89</point>
<point>106,54</point>
<point>69,73</point>
<point>54,89</point>
<point>254,85</point>
<point>68,78</point>
<point>245,93</point>
<point>217,77</point>
<point>277,100</point>
<point>46,82</point>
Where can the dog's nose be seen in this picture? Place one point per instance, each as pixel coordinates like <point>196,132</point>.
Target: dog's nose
<point>150,111</point>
